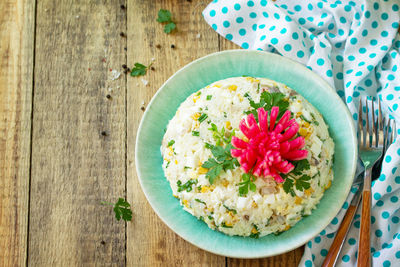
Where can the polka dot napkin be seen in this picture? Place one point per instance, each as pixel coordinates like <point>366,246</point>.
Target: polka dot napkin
<point>355,47</point>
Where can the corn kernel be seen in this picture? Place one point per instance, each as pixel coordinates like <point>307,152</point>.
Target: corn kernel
<point>298,200</point>
<point>306,124</point>
<point>254,204</point>
<point>176,162</point>
<point>228,125</point>
<point>254,230</point>
<point>195,116</point>
<point>204,189</point>
<point>298,114</point>
<point>185,202</point>
<point>217,85</point>
<point>228,224</point>
<point>232,87</point>
<point>303,132</point>
<point>202,170</point>
<point>225,183</point>
<point>309,191</point>
<point>195,98</point>
<point>287,227</point>
<point>328,185</point>
<point>240,97</point>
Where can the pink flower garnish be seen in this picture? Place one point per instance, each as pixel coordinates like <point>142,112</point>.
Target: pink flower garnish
<point>269,149</point>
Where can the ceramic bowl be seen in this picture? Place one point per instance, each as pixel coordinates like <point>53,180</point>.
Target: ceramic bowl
<point>233,63</point>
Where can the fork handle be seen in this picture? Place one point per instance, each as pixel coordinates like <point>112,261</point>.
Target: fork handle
<point>364,245</point>
<point>340,237</point>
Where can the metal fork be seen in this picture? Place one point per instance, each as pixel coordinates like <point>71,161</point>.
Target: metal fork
<point>371,141</point>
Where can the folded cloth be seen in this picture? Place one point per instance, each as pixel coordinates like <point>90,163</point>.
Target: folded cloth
<point>354,46</point>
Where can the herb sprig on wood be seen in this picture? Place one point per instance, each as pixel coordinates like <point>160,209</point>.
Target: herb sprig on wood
<point>122,209</point>
<point>165,16</point>
<point>140,69</point>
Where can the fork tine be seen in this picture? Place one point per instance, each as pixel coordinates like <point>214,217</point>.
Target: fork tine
<point>387,133</point>
<point>374,131</point>
<point>360,126</point>
<point>368,128</point>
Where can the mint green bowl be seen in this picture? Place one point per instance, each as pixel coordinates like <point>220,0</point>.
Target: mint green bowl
<point>232,63</point>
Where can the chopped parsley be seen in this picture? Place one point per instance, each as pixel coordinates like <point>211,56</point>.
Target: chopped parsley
<point>209,97</point>
<point>165,16</point>
<point>195,133</point>
<point>122,209</point>
<point>246,184</point>
<point>139,69</point>
<point>202,117</point>
<point>170,143</point>
<point>219,135</point>
<point>186,186</point>
<point>166,166</point>
<point>226,226</point>
<point>198,93</point>
<point>255,235</point>
<point>228,209</point>
<point>186,167</point>
<point>304,119</point>
<point>267,101</point>
<point>200,201</point>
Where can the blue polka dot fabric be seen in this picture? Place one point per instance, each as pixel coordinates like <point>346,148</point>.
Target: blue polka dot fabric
<point>355,47</point>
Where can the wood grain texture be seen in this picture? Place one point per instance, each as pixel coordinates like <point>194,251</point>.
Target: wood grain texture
<point>291,258</point>
<point>364,245</point>
<point>337,243</point>
<point>74,166</point>
<point>150,242</point>
<point>16,74</point>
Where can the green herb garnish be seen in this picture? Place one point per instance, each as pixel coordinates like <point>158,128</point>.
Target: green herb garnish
<point>165,16</point>
<point>200,201</point>
<point>226,226</point>
<point>267,101</point>
<point>221,161</point>
<point>300,183</point>
<point>304,119</point>
<point>170,143</point>
<point>255,235</point>
<point>195,133</point>
<point>246,184</point>
<point>233,210</point>
<point>209,97</point>
<point>121,209</point>
<point>219,136</point>
<point>202,117</point>
<point>186,186</point>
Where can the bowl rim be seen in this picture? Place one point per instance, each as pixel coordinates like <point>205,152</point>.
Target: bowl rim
<point>315,76</point>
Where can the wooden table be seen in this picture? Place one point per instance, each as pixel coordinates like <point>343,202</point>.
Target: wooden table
<point>68,130</point>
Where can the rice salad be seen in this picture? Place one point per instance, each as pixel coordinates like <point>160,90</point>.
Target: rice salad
<point>205,160</point>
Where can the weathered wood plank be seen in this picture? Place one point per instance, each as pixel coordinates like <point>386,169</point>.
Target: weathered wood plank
<point>150,242</point>
<point>17,20</point>
<point>79,135</point>
<point>291,258</point>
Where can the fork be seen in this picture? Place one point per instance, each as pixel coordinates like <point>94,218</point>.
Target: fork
<point>341,234</point>
<point>371,142</point>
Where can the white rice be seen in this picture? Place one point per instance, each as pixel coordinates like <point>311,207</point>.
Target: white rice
<point>268,210</point>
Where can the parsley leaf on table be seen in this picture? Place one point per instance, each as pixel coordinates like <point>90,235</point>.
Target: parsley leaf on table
<point>139,69</point>
<point>168,28</point>
<point>165,16</point>
<point>121,209</point>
